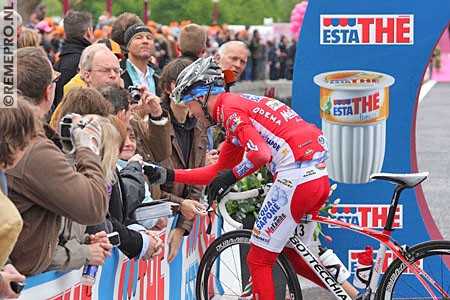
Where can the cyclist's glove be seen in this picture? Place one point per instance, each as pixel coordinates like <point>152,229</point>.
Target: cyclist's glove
<point>157,174</point>
<point>220,186</point>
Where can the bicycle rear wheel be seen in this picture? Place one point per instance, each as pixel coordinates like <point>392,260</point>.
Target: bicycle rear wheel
<point>223,272</point>
<point>399,282</point>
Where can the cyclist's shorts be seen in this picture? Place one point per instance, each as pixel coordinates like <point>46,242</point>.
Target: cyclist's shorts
<point>294,193</point>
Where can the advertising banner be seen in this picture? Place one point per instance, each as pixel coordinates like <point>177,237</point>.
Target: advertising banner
<point>358,72</point>
<point>122,278</point>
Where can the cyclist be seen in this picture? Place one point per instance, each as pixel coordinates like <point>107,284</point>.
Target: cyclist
<point>260,131</point>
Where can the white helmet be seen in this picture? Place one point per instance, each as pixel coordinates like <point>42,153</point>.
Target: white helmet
<point>202,72</point>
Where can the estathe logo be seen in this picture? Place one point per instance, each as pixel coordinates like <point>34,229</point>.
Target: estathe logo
<point>366,29</point>
<point>372,216</point>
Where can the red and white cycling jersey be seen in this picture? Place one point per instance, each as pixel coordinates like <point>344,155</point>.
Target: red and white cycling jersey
<point>260,131</point>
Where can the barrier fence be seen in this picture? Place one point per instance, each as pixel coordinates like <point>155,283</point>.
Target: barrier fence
<point>122,278</point>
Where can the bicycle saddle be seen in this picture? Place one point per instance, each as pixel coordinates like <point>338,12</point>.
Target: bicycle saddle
<point>404,180</point>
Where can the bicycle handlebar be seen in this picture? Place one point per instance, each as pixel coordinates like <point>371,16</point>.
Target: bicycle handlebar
<point>237,196</point>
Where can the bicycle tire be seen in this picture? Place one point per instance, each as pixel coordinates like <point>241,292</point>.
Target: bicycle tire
<point>398,283</point>
<point>210,280</point>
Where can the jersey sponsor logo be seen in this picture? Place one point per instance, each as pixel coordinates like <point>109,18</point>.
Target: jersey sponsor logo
<point>371,216</point>
<point>274,104</point>
<point>309,173</point>
<point>272,143</point>
<point>267,115</point>
<point>251,146</point>
<point>235,123</point>
<point>386,29</point>
<point>265,240</point>
<point>322,140</point>
<point>289,114</point>
<point>277,221</point>
<point>227,123</point>
<point>252,97</point>
<point>244,167</point>
<point>285,182</point>
<point>278,198</point>
<point>235,141</point>
<point>321,166</point>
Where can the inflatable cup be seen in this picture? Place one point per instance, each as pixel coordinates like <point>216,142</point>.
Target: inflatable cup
<point>354,106</point>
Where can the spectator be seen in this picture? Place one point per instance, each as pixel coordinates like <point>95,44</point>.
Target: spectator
<point>121,25</point>
<point>85,101</point>
<point>98,66</point>
<point>45,32</point>
<point>139,70</point>
<point>38,14</point>
<point>282,56</point>
<point>39,198</point>
<point>136,240</point>
<point>192,41</point>
<point>258,53</point>
<point>291,59</point>
<point>28,38</point>
<point>75,247</point>
<point>189,142</point>
<point>274,64</point>
<point>153,127</point>
<point>78,30</point>
<point>18,127</point>
<point>233,56</point>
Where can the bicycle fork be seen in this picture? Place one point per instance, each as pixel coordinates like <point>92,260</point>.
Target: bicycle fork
<point>321,271</point>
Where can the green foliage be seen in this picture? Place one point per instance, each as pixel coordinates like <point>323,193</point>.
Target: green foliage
<point>437,58</point>
<point>251,12</point>
<point>239,209</point>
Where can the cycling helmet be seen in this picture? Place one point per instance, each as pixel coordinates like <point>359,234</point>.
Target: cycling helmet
<point>202,72</point>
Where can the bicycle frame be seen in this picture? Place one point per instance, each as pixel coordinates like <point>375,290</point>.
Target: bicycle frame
<point>382,236</point>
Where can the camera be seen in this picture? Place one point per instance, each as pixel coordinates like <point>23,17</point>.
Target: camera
<point>135,94</point>
<point>114,238</point>
<point>16,286</point>
<point>65,131</point>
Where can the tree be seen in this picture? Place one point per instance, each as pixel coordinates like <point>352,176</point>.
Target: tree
<point>250,12</point>
<point>26,8</point>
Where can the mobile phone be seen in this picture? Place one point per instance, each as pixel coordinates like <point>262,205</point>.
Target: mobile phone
<point>17,286</point>
<point>114,238</point>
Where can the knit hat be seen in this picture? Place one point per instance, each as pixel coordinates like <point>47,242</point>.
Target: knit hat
<point>132,31</point>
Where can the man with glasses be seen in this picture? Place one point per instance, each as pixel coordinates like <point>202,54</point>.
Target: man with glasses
<point>43,185</point>
<point>98,66</point>
<point>139,69</point>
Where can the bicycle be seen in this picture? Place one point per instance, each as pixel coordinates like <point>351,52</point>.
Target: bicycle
<point>421,269</point>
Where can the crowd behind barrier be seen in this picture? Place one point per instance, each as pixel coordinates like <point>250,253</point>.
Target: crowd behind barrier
<point>121,278</point>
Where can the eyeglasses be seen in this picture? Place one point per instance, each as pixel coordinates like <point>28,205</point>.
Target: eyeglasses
<point>117,71</point>
<point>56,76</point>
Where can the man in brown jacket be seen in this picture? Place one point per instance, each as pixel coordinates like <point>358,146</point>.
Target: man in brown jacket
<point>43,185</point>
<point>189,143</point>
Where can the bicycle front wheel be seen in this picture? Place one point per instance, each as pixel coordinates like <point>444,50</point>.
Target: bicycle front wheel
<point>223,272</point>
<point>433,258</point>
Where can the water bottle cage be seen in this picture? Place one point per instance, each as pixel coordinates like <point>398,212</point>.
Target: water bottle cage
<point>361,270</point>
<point>334,270</point>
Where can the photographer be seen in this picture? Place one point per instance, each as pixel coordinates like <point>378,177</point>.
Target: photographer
<point>43,185</point>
